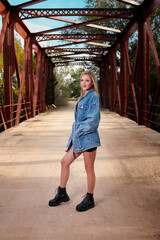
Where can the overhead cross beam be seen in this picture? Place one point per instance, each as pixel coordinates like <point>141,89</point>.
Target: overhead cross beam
<point>72,54</point>
<point>78,59</point>
<point>74,41</point>
<point>88,42</point>
<point>78,24</point>
<point>98,12</point>
<point>88,24</point>
<point>130,2</point>
<point>107,37</point>
<point>57,50</point>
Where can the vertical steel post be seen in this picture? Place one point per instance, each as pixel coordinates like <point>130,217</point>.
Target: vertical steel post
<point>126,82</point>
<point>31,80</point>
<point>36,85</point>
<point>3,30</point>
<point>142,72</point>
<point>132,78</point>
<point>122,78</point>
<point>101,83</point>
<point>46,76</point>
<point>26,100</point>
<point>22,81</point>
<point>146,97</point>
<point>157,65</point>
<point>117,96</point>
<point>111,83</point>
<point>9,68</point>
<point>105,82</point>
<point>42,88</point>
<point>51,77</point>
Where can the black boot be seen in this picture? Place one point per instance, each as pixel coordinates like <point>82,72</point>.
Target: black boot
<point>87,203</point>
<point>60,197</point>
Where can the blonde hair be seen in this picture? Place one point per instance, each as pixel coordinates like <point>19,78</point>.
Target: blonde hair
<point>93,78</point>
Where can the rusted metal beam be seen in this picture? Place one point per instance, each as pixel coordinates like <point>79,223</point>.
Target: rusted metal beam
<point>122,80</point>
<point>73,54</point>
<point>6,4</point>
<point>141,72</point>
<point>105,85</point>
<point>108,82</point>
<point>9,68</point>
<point>22,81</point>
<point>140,13</point>
<point>36,85</point>
<point>101,64</point>
<point>73,43</point>
<point>117,83</point>
<point>146,78</point>
<point>2,116</point>
<point>31,79</point>
<point>144,10</point>
<point>130,2</point>
<point>19,80</point>
<point>157,65</point>
<point>87,24</point>
<point>73,26</point>
<point>77,59</point>
<point>3,30</point>
<point>98,12</point>
<point>89,42</point>
<point>41,94</point>
<point>153,48</point>
<point>112,81</point>
<point>46,75</point>
<point>2,8</point>
<point>90,37</point>
<point>77,50</point>
<point>132,77</point>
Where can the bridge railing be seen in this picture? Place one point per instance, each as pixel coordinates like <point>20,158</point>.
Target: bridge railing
<point>26,113</point>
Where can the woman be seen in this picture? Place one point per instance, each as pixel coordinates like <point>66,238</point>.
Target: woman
<point>84,139</point>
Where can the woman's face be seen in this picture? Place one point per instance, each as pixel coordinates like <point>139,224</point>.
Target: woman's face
<point>86,83</point>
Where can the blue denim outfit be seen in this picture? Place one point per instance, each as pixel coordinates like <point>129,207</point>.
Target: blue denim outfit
<point>87,117</point>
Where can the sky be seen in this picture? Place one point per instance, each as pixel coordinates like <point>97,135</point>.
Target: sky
<point>53,3</point>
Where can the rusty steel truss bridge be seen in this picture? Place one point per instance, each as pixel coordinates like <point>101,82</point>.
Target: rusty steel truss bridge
<point>125,91</point>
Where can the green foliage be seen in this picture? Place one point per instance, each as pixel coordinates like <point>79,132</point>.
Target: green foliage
<point>61,89</point>
<point>74,83</point>
<point>19,51</point>
<point>50,90</point>
<point>20,57</point>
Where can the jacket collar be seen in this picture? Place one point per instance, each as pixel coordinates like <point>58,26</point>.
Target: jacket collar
<point>87,94</point>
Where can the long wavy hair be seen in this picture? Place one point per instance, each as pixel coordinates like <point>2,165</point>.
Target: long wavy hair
<point>94,86</point>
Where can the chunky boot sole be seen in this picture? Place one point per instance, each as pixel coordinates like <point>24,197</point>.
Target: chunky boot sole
<point>79,209</point>
<point>54,204</point>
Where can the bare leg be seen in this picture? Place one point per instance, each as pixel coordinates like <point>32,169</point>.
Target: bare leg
<point>65,166</point>
<point>89,158</point>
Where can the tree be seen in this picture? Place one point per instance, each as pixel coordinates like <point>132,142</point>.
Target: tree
<point>74,83</point>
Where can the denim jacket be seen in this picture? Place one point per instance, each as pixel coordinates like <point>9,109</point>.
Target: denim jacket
<point>87,117</point>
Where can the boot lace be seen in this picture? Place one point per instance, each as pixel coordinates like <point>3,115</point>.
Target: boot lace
<point>86,199</point>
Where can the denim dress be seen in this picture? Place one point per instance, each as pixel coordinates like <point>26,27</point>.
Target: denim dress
<point>84,130</point>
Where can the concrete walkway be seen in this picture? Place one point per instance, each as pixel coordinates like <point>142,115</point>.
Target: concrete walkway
<point>127,193</point>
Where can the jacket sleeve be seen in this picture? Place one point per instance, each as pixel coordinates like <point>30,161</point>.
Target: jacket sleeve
<point>91,122</point>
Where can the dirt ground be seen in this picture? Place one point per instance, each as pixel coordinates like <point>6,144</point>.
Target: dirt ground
<point>127,193</point>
